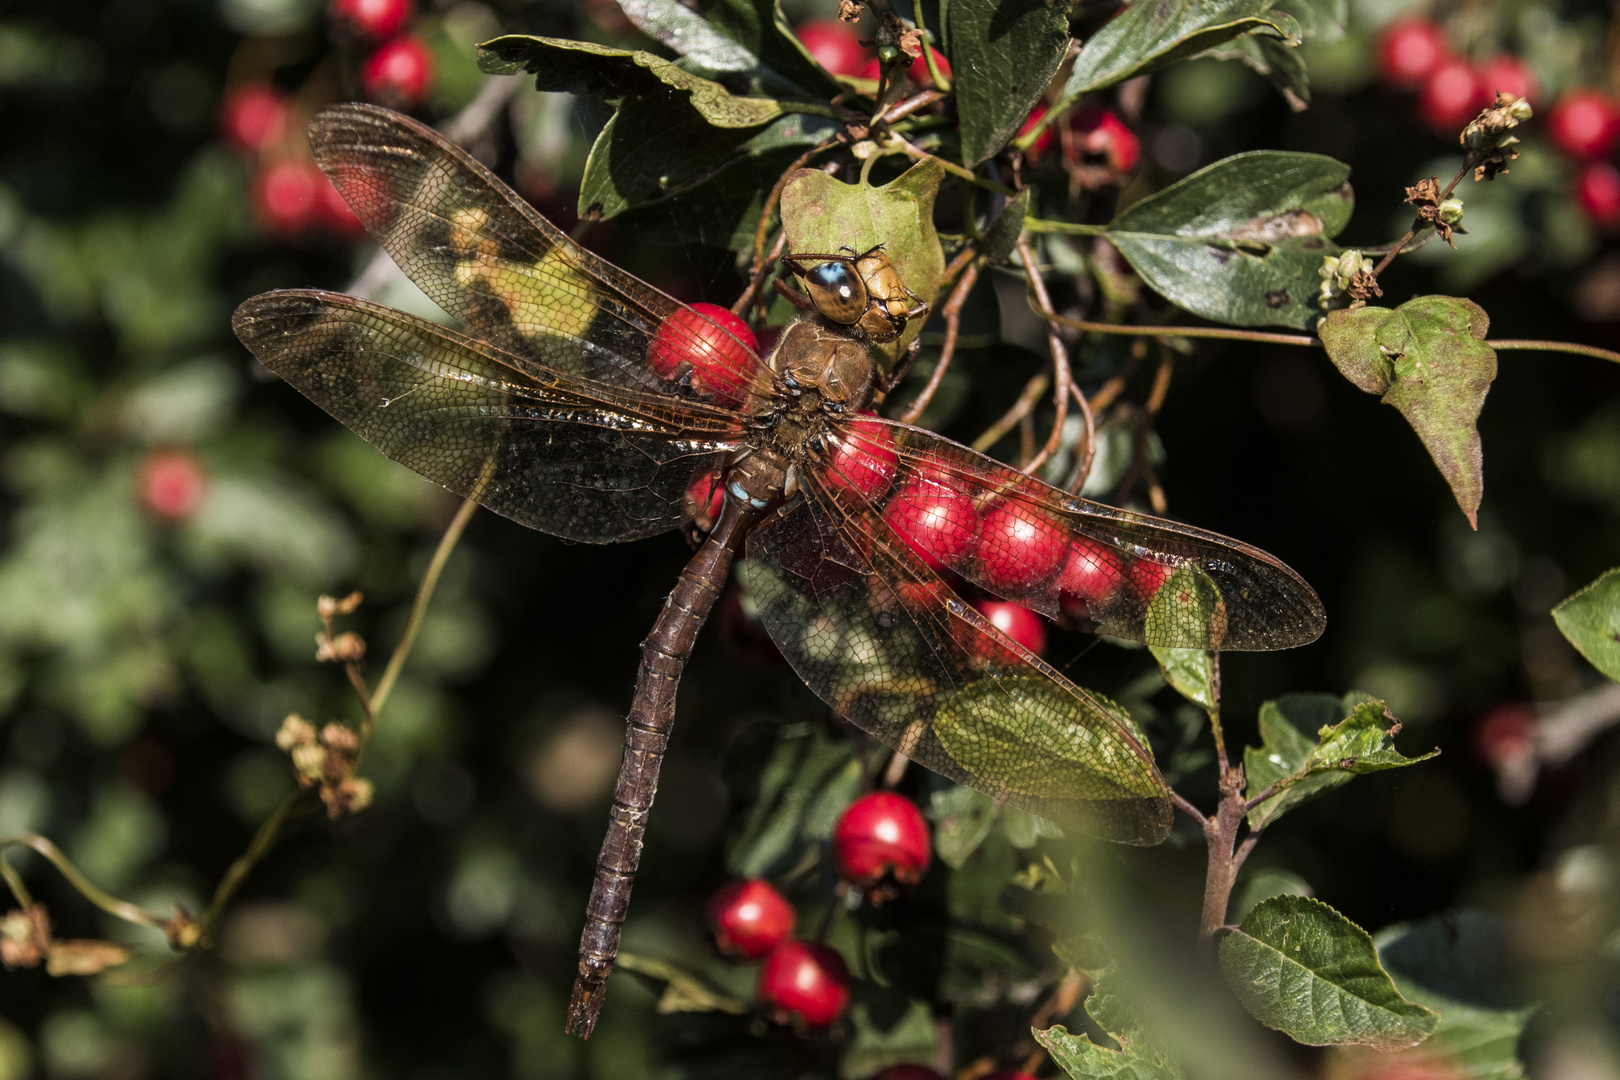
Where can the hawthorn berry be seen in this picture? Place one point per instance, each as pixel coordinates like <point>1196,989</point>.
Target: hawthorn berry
<point>172,484</point>
<point>1017,622</point>
<point>1505,73</point>
<point>1409,49</point>
<point>863,460</point>
<point>1505,735</point>
<point>1584,124</point>
<point>1148,577</point>
<point>372,20</point>
<point>1450,97</point>
<point>835,45</point>
<point>803,983</point>
<point>907,1070</point>
<point>1019,547</point>
<point>881,843</point>
<point>1043,141</point>
<point>717,345</point>
<point>1597,189</point>
<point>937,521</point>
<point>1089,579</point>
<point>253,116</point>
<point>399,73</point>
<point>748,919</point>
<point>1101,133</point>
<point>287,195</point>
<point>704,497</point>
<point>919,68</point>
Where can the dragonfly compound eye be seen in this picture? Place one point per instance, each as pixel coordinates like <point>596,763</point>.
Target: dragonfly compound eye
<point>837,291</point>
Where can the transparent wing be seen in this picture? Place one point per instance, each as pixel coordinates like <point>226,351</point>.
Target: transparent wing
<point>891,649</point>
<point>484,255</point>
<point>552,451</point>
<point>1128,575</point>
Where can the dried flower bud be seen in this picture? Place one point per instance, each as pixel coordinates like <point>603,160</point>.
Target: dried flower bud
<point>25,936</point>
<point>310,762</point>
<point>1520,110</point>
<point>84,957</point>
<point>1342,273</point>
<point>183,930</point>
<point>346,648</point>
<point>350,796</point>
<point>329,606</point>
<point>294,731</point>
<point>1451,211</point>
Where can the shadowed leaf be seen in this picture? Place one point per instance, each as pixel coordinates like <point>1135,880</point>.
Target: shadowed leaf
<point>682,991</point>
<point>1003,54</point>
<point>962,817</point>
<point>1590,619</point>
<point>1002,235</point>
<point>1190,671</point>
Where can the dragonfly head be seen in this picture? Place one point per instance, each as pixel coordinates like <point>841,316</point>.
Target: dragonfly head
<point>860,291</point>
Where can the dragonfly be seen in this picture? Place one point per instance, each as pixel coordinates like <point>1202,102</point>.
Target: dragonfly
<point>570,401</point>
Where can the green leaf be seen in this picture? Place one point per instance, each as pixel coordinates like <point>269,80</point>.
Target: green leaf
<point>1278,60</point>
<point>821,214</point>
<point>1428,358</point>
<point>1001,237</point>
<point>1590,619</point>
<point>720,211</point>
<point>1241,241</point>
<point>1302,968</point>
<point>760,27</point>
<point>785,777</point>
<point>1149,36</point>
<point>962,819</point>
<point>682,991</point>
<point>1191,671</point>
<point>689,34</point>
<point>1003,54</point>
<point>1298,769</point>
<point>1136,1059</point>
<point>876,1045</point>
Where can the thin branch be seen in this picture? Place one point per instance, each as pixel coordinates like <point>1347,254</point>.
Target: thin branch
<point>1090,452</point>
<point>912,150</point>
<point>928,54</point>
<point>263,840</point>
<point>1188,808</point>
<point>1271,791</point>
<point>1557,346</point>
<point>1061,378</point>
<point>1190,332</point>
<point>903,109</point>
<point>1033,390</point>
<point>121,909</point>
<point>952,314</point>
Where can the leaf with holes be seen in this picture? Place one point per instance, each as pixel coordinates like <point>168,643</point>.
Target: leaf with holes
<point>1137,1058</point>
<point>1590,619</point>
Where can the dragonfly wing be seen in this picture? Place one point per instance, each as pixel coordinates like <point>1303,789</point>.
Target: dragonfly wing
<point>555,452</point>
<point>1145,578</point>
<point>484,255</point>
<point>891,649</point>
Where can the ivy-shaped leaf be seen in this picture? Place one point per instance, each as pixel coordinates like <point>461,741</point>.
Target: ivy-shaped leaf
<point>1136,1059</point>
<point>1003,54</point>
<point>1296,768</point>
<point>1428,358</point>
<point>1150,35</point>
<point>1192,672</point>
<point>1302,968</point>
<point>1590,619</point>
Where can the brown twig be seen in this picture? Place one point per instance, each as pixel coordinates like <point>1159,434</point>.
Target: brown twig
<point>1032,392</point>
<point>1090,452</point>
<point>1059,1004</point>
<point>902,109</point>
<point>952,314</point>
<point>1061,378</point>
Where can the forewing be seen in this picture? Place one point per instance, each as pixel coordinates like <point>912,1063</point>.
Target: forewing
<point>1150,580</point>
<point>484,255</point>
<point>883,641</point>
<point>555,452</point>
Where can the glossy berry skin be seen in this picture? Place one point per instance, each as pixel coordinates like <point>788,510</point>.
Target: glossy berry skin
<point>373,20</point>
<point>1584,124</point>
<point>805,984</point>
<point>172,484</point>
<point>748,919</point>
<point>835,45</point>
<point>1043,142</point>
<point>1090,578</point>
<point>936,520</point>
<point>1017,622</point>
<point>1099,132</point>
<point>908,1071</point>
<point>716,344</point>
<point>881,843</point>
<point>1507,74</point>
<point>1450,97</point>
<point>287,195</point>
<point>1018,547</point>
<point>253,116</point>
<point>399,74</point>
<point>1597,189</point>
<point>863,461</point>
<point>1409,50</point>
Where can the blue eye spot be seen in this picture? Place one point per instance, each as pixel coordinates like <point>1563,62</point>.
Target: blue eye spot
<point>835,276</point>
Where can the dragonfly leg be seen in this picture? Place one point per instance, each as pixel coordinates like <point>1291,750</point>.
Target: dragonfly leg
<point>652,714</point>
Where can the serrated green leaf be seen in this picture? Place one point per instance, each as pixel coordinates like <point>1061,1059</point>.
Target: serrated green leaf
<point>1590,619</point>
<point>1241,241</point>
<point>1002,55</point>
<point>1137,1058</point>
<point>1149,36</point>
<point>1428,358</point>
<point>1001,236</point>
<point>1302,968</point>
<point>962,819</point>
<point>1192,672</point>
<point>682,990</point>
<point>1296,768</point>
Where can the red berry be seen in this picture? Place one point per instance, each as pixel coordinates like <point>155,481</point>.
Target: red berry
<point>172,484</point>
<point>936,520</point>
<point>1597,187</point>
<point>881,844</point>
<point>1409,50</point>
<point>919,68</point>
<point>1507,74</point>
<point>704,498</point>
<point>1584,124</point>
<point>1019,547</point>
<point>1148,577</point>
<point>834,44</point>
<point>1043,141</point>
<point>399,73</point>
<point>375,20</point>
<point>871,70</point>
<point>1100,132</point>
<point>336,214</point>
<point>1451,96</point>
<point>749,918</point>
<point>287,195</point>
<point>908,1071</point>
<point>1089,578</point>
<point>253,116</point>
<point>1506,734</point>
<point>1017,622</point>
<point>804,983</point>
<point>717,345</point>
<point>863,460</point>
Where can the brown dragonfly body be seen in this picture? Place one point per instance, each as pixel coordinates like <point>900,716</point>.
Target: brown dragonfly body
<point>558,408</point>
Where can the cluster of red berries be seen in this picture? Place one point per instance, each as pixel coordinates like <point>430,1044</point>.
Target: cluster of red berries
<point>1584,124</point>
<point>291,196</point>
<point>881,845</point>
